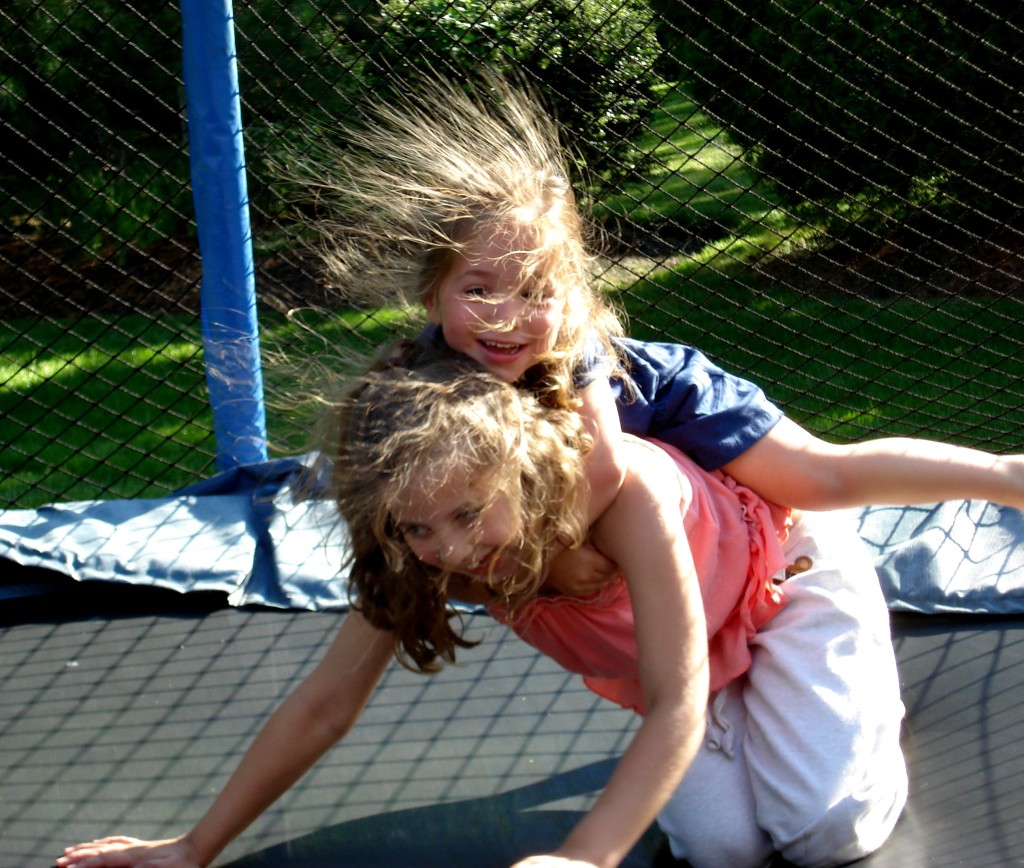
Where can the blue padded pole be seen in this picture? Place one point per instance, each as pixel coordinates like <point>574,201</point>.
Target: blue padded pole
<point>219,191</point>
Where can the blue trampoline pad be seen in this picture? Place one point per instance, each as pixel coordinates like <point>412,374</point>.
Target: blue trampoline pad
<point>123,712</point>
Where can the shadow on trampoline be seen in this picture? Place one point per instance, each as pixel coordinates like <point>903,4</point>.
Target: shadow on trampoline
<point>472,833</point>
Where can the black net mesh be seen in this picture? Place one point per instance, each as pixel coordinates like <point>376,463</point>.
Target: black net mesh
<point>823,196</point>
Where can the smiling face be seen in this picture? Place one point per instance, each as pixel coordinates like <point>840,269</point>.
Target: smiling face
<point>459,526</point>
<point>491,310</point>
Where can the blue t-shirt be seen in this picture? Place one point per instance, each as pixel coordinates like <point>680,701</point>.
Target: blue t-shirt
<point>682,398</point>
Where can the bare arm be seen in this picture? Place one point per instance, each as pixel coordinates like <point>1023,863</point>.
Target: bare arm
<point>643,532</point>
<point>585,569</point>
<point>312,719</point>
<point>606,464</point>
<point>791,466</point>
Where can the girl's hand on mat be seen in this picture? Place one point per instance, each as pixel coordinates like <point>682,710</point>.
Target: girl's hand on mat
<point>580,571</point>
<point>121,852</point>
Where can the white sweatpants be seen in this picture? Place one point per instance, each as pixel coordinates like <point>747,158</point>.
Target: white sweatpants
<point>802,755</point>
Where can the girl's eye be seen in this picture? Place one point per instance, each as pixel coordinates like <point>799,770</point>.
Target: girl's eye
<point>476,291</point>
<point>414,531</point>
<point>470,516</point>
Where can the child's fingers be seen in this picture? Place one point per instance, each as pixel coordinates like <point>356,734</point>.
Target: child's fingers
<point>581,571</point>
<point>110,841</point>
<point>119,851</point>
<point>596,568</point>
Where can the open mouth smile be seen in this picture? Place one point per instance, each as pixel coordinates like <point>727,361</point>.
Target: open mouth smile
<point>505,349</point>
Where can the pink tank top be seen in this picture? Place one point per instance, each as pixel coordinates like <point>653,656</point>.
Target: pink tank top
<point>735,538</point>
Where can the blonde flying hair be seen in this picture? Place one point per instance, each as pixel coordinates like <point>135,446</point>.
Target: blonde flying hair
<point>418,180</point>
<point>417,417</point>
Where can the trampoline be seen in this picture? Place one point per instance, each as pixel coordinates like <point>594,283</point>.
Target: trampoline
<point>127,702</point>
<point>125,708</point>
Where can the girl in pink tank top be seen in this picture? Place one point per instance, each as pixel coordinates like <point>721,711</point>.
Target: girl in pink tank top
<point>455,485</point>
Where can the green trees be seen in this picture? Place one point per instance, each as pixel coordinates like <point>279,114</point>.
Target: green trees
<point>592,59</point>
<point>90,126</point>
<point>93,144</point>
<point>910,101</point>
<point>907,103</point>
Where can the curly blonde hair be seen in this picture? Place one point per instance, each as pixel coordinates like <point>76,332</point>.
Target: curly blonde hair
<point>419,412</point>
<point>419,180</point>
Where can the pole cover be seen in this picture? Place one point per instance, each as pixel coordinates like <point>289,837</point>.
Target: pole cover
<point>228,291</point>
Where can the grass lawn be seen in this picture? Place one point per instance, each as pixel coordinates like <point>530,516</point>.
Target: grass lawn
<point>99,410</point>
<point>103,408</point>
<point>847,366</point>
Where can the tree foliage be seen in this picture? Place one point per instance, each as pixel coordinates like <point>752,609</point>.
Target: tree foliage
<point>853,97</point>
<point>93,139</point>
<point>90,122</point>
<point>593,60</point>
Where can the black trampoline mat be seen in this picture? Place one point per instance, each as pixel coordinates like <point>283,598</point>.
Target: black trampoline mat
<point>127,721</point>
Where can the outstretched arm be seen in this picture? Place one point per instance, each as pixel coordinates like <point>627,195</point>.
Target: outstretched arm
<point>791,466</point>
<point>643,532</point>
<point>313,718</point>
